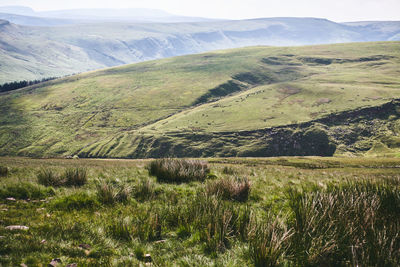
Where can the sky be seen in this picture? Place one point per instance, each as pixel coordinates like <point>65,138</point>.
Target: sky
<point>336,10</point>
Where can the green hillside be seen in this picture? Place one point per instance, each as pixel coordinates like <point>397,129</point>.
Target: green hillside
<point>226,103</point>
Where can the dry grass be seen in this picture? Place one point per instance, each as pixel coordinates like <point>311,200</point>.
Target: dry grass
<point>237,189</point>
<point>179,170</point>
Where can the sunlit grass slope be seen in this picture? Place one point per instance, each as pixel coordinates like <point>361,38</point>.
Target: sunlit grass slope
<point>109,112</point>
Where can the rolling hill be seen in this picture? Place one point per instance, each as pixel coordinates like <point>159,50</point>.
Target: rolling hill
<point>39,52</point>
<point>257,101</point>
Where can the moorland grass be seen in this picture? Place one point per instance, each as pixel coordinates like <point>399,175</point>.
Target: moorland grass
<point>293,216</point>
<point>237,189</point>
<point>3,171</point>
<point>144,190</point>
<point>48,177</point>
<point>75,176</point>
<point>25,190</point>
<point>346,224</point>
<point>75,201</point>
<point>70,177</point>
<point>110,193</point>
<point>178,170</point>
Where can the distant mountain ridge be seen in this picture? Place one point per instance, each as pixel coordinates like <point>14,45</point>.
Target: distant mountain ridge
<point>76,16</point>
<point>70,46</point>
<point>36,21</point>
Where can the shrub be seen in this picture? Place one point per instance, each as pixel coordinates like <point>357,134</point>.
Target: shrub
<point>109,193</point>
<point>77,201</point>
<point>47,177</point>
<point>178,170</point>
<point>230,189</point>
<point>3,171</point>
<point>75,176</point>
<point>25,191</point>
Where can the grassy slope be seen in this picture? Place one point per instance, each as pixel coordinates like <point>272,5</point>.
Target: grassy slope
<point>25,55</point>
<point>107,113</point>
<point>324,89</point>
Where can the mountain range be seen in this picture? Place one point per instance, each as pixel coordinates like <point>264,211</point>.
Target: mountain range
<point>62,43</point>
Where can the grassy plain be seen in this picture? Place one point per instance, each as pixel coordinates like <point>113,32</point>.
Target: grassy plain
<point>181,225</point>
<point>109,113</point>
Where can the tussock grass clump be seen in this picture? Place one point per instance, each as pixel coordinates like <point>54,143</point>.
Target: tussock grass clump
<point>109,193</point>
<point>269,242</point>
<point>75,176</point>
<point>3,171</point>
<point>237,189</point>
<point>121,229</point>
<point>224,221</point>
<point>146,225</point>
<point>25,191</point>
<point>76,201</point>
<point>356,222</point>
<point>144,190</point>
<point>71,177</point>
<point>179,170</point>
<point>229,170</point>
<point>48,177</point>
<point>210,220</point>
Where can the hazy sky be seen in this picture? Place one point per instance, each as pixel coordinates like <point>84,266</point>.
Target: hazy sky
<point>336,10</point>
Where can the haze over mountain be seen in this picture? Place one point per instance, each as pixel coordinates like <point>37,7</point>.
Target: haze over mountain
<point>75,16</point>
<point>38,52</point>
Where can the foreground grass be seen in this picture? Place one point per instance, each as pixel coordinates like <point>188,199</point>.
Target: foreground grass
<point>262,212</point>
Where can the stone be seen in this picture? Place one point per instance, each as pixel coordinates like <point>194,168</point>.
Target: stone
<point>84,246</point>
<point>147,258</point>
<point>17,227</point>
<point>54,262</point>
<point>10,199</point>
